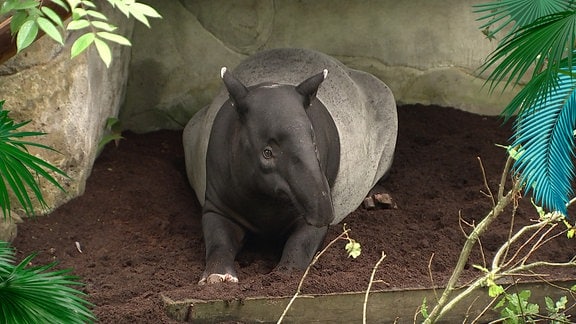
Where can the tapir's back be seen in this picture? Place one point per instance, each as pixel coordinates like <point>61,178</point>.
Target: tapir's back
<point>362,107</point>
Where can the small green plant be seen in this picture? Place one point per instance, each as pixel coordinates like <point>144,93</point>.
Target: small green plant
<point>19,169</point>
<point>28,17</point>
<point>113,130</point>
<point>37,295</point>
<point>516,309</point>
<point>556,310</point>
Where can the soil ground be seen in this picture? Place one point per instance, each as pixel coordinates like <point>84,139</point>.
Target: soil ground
<point>138,223</point>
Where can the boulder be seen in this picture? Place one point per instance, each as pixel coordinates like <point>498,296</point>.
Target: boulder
<point>69,100</point>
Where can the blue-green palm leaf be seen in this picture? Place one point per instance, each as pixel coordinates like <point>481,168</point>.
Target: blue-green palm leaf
<point>545,134</point>
<point>517,13</point>
<point>537,49</point>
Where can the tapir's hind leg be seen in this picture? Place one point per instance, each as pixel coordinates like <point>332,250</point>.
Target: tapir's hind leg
<point>223,239</point>
<point>301,246</point>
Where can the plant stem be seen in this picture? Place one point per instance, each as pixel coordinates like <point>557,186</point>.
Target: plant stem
<point>370,286</point>
<point>441,307</point>
<point>318,255</point>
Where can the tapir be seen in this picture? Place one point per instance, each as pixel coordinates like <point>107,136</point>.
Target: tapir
<point>292,144</point>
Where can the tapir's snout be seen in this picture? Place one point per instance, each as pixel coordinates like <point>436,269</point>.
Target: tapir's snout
<point>323,213</point>
<point>313,195</point>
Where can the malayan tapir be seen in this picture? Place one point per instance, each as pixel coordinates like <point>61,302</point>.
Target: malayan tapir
<point>292,144</point>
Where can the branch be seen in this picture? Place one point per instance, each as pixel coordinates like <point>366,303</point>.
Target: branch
<point>442,305</point>
<point>370,286</point>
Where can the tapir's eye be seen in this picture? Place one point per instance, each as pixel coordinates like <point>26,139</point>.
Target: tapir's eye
<point>267,153</point>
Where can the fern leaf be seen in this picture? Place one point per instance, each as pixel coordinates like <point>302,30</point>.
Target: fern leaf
<point>546,134</point>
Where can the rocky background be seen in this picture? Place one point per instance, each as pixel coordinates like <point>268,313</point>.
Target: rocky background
<point>428,52</point>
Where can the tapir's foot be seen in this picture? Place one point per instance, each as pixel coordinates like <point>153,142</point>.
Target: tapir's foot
<point>217,278</point>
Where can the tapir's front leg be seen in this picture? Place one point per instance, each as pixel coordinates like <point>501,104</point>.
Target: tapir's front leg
<point>302,245</point>
<point>223,239</point>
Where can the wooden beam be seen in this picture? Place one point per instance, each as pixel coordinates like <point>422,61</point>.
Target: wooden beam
<point>8,42</point>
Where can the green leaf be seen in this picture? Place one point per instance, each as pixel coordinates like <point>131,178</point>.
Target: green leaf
<point>26,35</point>
<point>424,309</point>
<point>18,20</point>
<point>140,17</point>
<point>515,14</point>
<point>38,294</point>
<point>18,168</point>
<point>73,3</point>
<point>88,4</point>
<point>6,7</point>
<point>112,123</point>
<point>104,26</point>
<point>82,43</point>
<point>62,4</point>
<point>48,27</point>
<point>549,303</point>
<point>78,13</point>
<point>539,47</point>
<point>121,6</point>
<point>103,51</point>
<point>353,248</point>
<point>495,290</point>
<point>52,15</point>
<point>114,137</point>
<point>145,10</point>
<point>78,24</point>
<point>114,38</point>
<point>24,4</point>
<point>96,14</point>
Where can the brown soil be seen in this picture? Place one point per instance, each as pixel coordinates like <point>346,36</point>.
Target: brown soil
<point>138,223</point>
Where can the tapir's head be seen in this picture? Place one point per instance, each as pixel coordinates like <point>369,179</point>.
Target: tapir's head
<point>277,146</point>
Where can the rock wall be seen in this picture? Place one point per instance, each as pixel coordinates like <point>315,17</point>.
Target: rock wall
<point>427,51</point>
<point>69,99</point>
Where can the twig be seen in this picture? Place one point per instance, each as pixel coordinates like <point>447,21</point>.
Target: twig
<point>314,260</point>
<point>432,277</point>
<point>442,306</point>
<point>511,230</point>
<point>370,286</point>
<point>486,182</point>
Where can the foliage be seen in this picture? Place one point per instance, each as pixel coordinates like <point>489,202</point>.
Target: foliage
<point>31,16</point>
<point>114,133</point>
<point>556,310</point>
<point>539,44</point>
<point>517,309</point>
<point>353,248</point>
<point>37,295</point>
<point>18,168</point>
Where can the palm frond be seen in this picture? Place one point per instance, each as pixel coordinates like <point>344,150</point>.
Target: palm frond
<point>516,14</point>
<point>38,295</point>
<point>18,168</point>
<point>539,47</point>
<point>545,134</point>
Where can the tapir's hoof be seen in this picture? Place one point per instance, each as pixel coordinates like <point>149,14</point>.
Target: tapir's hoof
<point>217,278</point>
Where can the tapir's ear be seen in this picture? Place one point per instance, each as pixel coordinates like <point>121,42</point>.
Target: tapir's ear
<point>309,87</point>
<point>235,88</point>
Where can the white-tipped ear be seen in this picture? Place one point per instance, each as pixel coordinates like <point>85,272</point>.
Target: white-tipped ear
<point>325,73</point>
<point>223,70</point>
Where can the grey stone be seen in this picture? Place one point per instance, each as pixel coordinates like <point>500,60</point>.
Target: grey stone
<point>428,52</point>
<point>69,100</point>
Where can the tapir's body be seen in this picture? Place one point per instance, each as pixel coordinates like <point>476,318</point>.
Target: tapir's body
<point>284,151</point>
